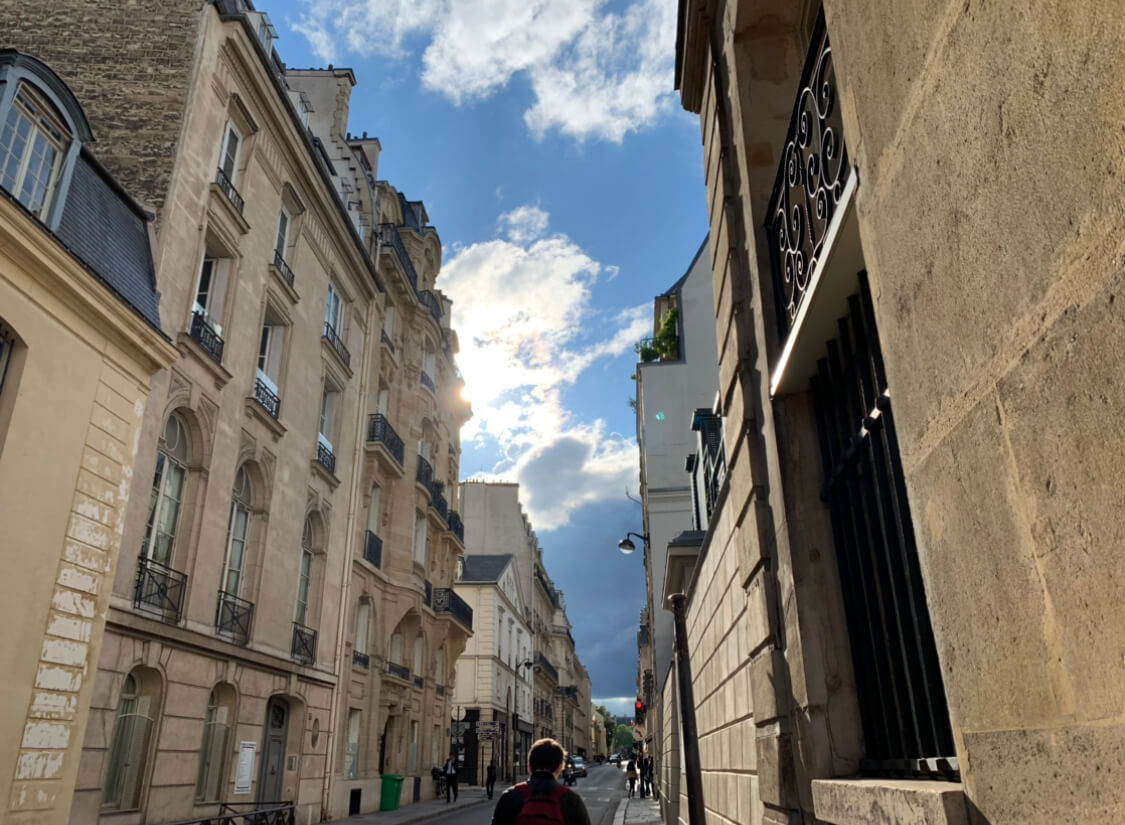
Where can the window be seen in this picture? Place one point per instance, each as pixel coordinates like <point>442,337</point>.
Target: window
<point>228,157</point>
<point>362,625</point>
<point>132,733</point>
<point>373,511</point>
<point>412,757</point>
<point>167,492</point>
<point>394,652</point>
<point>212,753</point>
<point>270,348</point>
<point>389,322</point>
<point>439,674</point>
<point>6,345</point>
<point>333,310</point>
<point>33,142</point>
<point>419,655</point>
<point>429,362</point>
<point>327,416</point>
<point>420,538</point>
<point>382,401</point>
<point>236,532</point>
<point>281,244</point>
<point>351,755</point>
<point>435,746</point>
<point>304,575</point>
<point>304,107</point>
<point>210,293</point>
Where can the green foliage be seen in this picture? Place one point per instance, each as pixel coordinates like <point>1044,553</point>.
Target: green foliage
<point>623,738</point>
<point>665,345</point>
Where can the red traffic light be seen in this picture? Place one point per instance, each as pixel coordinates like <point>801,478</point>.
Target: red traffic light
<point>639,706</point>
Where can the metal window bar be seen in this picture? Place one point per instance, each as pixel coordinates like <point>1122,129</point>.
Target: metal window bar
<point>361,659</point>
<point>898,678</point>
<point>233,618</point>
<point>456,526</point>
<point>333,337</point>
<point>438,502</point>
<point>446,601</point>
<point>159,589</point>
<point>303,647</point>
<point>389,236</point>
<point>373,549</point>
<point>227,185</point>
<point>325,457</point>
<point>425,473</point>
<point>380,431</point>
<point>401,671</point>
<point>205,335</point>
<point>428,382</point>
<point>432,303</point>
<point>267,398</point>
<point>282,267</point>
<point>419,682</point>
<point>439,689</point>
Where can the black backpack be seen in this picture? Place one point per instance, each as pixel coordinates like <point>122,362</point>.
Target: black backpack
<point>541,809</point>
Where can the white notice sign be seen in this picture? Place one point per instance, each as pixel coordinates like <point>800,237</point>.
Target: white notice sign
<point>245,772</point>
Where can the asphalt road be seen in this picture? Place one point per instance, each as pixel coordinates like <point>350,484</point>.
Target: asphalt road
<point>602,790</point>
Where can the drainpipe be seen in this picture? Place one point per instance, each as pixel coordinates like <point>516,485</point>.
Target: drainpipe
<point>696,812</point>
<point>342,666</point>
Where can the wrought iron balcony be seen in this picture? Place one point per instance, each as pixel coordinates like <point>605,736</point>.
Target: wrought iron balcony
<point>233,617</point>
<point>446,601</point>
<point>207,337</point>
<point>380,431</point>
<point>388,342</point>
<point>332,335</point>
<point>373,549</point>
<point>428,382</point>
<point>361,659</point>
<point>303,647</point>
<point>227,185</point>
<point>401,671</point>
<point>160,590</point>
<point>431,302</point>
<point>438,502</point>
<point>548,668</point>
<point>419,682</point>
<point>267,398</point>
<point>810,181</point>
<point>390,238</point>
<point>325,457</point>
<point>456,526</point>
<point>281,266</point>
<point>424,474</point>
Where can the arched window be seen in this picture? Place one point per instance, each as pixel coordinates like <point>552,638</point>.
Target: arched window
<point>304,575</point>
<point>419,655</point>
<point>33,142</point>
<point>241,500</point>
<point>362,626</point>
<point>394,653</point>
<point>213,751</point>
<point>439,676</point>
<point>167,492</point>
<point>132,737</point>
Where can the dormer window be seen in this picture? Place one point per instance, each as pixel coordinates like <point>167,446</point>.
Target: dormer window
<point>33,142</point>
<point>304,108</point>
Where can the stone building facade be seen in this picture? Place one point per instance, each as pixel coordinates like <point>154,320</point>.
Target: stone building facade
<point>281,627</point>
<point>80,340</point>
<point>903,607</point>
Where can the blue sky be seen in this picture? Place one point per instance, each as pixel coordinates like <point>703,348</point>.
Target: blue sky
<point>566,185</point>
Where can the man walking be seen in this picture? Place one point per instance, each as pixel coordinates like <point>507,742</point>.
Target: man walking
<point>490,778</point>
<point>541,797</point>
<point>450,771</point>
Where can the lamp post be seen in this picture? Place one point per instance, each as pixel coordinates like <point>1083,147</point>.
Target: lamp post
<point>626,545</point>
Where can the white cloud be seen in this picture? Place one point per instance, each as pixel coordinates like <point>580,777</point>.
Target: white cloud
<point>524,308</point>
<point>594,72</point>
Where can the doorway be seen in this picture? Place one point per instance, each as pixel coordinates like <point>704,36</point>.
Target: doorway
<point>387,728</point>
<point>273,751</point>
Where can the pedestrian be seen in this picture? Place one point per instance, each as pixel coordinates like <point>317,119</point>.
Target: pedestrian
<point>450,771</point>
<point>648,776</point>
<point>541,797</point>
<point>490,778</point>
<point>642,773</point>
<point>631,775</point>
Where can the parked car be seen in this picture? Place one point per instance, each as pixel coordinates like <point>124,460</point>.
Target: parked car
<point>578,766</point>
<point>615,759</point>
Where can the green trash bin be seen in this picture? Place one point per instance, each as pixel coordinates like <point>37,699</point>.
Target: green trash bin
<point>392,789</point>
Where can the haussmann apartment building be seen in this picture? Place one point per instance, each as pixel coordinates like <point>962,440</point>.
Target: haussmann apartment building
<point>905,602</point>
<point>280,627</point>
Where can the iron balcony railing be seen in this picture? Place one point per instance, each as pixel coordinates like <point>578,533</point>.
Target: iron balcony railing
<point>456,526</point>
<point>810,181</point>
<point>282,267</point>
<point>227,185</point>
<point>388,342</point>
<point>373,549</point>
<point>390,238</point>
<point>428,382</point>
<point>207,337</point>
<point>401,671</point>
<point>267,398</point>
<point>247,813</point>
<point>548,668</point>
<point>303,646</point>
<point>325,457</point>
<point>332,335</point>
<point>439,690</point>
<point>380,431</point>
<point>361,659</point>
<point>233,617</point>
<point>438,502</point>
<point>419,682</point>
<point>424,474</point>
<point>446,601</point>
<point>428,593</point>
<point>431,302</point>
<point>160,590</point>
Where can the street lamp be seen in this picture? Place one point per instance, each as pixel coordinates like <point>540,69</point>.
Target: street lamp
<point>626,545</point>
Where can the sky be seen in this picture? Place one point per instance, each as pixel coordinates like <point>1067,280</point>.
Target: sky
<point>566,184</point>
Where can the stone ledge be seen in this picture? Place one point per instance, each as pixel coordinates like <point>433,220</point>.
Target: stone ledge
<point>889,802</point>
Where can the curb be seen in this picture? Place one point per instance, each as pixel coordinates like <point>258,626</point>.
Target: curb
<point>422,817</point>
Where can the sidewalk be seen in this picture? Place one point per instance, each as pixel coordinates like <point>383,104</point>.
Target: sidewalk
<point>637,811</point>
<point>467,797</point>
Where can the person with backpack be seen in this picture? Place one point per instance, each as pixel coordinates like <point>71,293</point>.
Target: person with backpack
<point>541,800</point>
<point>631,775</point>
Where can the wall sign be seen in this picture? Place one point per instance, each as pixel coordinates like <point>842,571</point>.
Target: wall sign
<point>244,775</point>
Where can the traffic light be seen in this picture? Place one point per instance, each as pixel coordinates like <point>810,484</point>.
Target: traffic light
<point>639,712</point>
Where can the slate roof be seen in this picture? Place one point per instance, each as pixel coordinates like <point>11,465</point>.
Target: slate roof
<point>483,568</point>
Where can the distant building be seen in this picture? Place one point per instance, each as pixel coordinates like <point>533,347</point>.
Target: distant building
<point>80,340</point>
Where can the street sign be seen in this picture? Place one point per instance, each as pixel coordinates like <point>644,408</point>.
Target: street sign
<point>489,727</point>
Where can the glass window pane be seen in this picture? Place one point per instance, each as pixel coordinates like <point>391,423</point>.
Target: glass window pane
<point>303,587</point>
<point>237,548</point>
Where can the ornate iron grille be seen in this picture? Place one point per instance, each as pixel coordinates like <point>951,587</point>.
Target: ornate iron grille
<point>205,335</point>
<point>267,398</point>
<point>251,813</point>
<point>387,340</point>
<point>159,589</point>
<point>227,185</point>
<point>325,457</point>
<point>303,646</point>
<point>282,267</point>
<point>438,502</point>
<point>233,617</point>
<point>333,338</point>
<point>810,181</point>
<point>380,431</point>
<point>432,303</point>
<point>898,678</point>
<point>456,526</point>
<point>548,668</point>
<point>419,682</point>
<point>446,601</point>
<point>428,593</point>
<point>390,237</point>
<point>425,473</point>
<point>428,382</point>
<point>401,671</point>
<point>373,549</point>
<point>361,659</point>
